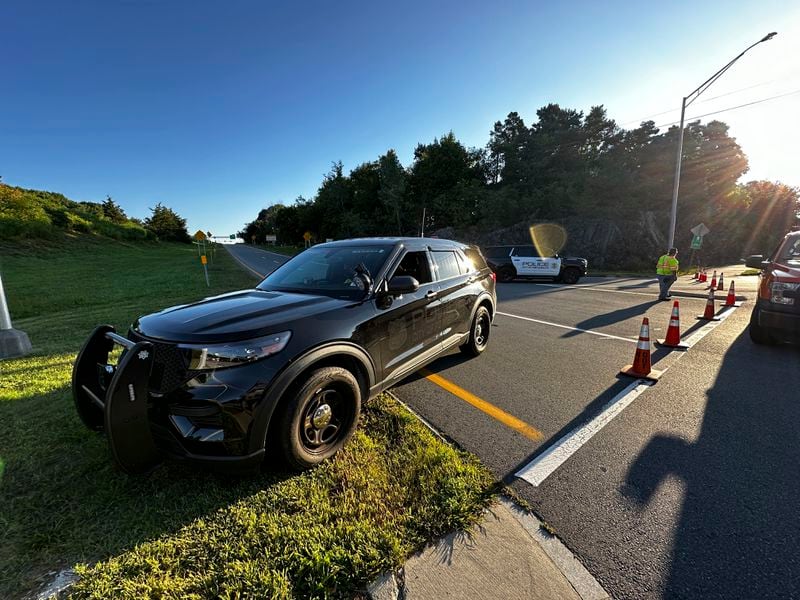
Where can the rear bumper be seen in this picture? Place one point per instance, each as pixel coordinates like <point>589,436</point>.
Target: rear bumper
<point>783,323</point>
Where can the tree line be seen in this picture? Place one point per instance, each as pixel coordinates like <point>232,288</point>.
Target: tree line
<point>40,214</point>
<point>609,187</point>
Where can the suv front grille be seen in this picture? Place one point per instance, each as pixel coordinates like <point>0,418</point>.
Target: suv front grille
<point>169,365</point>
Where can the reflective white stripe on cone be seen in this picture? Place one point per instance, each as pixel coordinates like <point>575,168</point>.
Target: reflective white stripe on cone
<point>641,367</point>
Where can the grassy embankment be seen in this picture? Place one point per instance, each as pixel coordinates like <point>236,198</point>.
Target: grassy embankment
<point>180,532</point>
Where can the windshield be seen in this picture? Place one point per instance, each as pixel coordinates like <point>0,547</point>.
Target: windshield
<point>790,253</point>
<point>328,271</point>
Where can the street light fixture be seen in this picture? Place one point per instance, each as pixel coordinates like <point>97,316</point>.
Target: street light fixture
<point>687,100</point>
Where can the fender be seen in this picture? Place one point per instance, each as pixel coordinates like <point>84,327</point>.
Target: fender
<point>282,381</point>
<point>483,296</point>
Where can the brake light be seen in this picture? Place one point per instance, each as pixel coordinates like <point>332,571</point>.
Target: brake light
<point>494,276</point>
<point>765,288</point>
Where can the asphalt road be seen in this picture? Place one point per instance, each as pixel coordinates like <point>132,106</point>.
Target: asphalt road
<point>257,261</point>
<point>684,489</point>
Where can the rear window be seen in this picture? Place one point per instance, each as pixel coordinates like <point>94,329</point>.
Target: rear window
<point>790,252</point>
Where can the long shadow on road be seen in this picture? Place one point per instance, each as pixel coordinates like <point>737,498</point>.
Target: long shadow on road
<point>609,318</point>
<point>739,530</point>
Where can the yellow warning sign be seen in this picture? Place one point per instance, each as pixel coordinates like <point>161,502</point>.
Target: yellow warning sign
<point>199,235</point>
<point>307,236</point>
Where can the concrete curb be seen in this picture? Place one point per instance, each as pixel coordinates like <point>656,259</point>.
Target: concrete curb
<point>390,586</point>
<point>587,587</point>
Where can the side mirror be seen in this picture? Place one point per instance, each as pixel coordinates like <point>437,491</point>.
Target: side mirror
<point>756,261</point>
<point>402,284</point>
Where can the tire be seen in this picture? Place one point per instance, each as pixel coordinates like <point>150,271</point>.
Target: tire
<point>570,276</point>
<point>506,274</point>
<point>479,333</point>
<point>308,433</point>
<point>758,334</point>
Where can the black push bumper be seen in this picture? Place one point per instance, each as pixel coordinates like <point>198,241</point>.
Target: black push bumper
<point>115,399</point>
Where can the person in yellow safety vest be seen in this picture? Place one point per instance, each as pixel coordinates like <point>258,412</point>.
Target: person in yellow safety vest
<point>667,273</point>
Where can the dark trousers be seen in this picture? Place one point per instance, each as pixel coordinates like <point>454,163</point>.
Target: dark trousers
<point>664,283</point>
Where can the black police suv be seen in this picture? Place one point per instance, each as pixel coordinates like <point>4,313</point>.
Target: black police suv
<point>283,368</point>
<point>511,262</point>
<point>776,314</point>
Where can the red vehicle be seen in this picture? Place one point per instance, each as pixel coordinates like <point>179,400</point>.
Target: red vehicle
<point>776,315</point>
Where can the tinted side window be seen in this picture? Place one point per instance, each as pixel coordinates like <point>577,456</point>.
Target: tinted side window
<point>446,264</point>
<point>497,251</point>
<point>525,251</point>
<point>416,265</point>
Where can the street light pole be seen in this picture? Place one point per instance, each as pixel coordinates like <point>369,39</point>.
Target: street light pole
<point>687,100</point>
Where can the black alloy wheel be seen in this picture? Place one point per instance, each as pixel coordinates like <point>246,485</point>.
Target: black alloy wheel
<point>319,418</point>
<point>479,333</point>
<point>570,276</point>
<point>506,274</point>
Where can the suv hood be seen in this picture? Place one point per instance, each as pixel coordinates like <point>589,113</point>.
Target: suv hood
<point>235,316</point>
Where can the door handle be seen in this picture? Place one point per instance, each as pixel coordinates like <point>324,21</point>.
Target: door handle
<point>431,294</point>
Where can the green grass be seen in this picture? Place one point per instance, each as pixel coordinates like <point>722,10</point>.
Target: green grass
<point>181,532</point>
<point>748,272</point>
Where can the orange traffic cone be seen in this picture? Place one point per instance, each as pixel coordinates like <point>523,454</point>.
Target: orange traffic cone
<point>720,283</point>
<point>731,299</point>
<point>714,281</point>
<point>673,339</point>
<point>641,366</point>
<point>703,276</point>
<point>710,313</point>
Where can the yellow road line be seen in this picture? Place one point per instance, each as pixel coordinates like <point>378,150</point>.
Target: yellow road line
<point>490,409</point>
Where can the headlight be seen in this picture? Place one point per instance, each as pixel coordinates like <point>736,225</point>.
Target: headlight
<point>220,356</point>
<point>778,288</point>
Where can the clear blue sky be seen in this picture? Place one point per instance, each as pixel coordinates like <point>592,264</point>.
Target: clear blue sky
<point>218,109</point>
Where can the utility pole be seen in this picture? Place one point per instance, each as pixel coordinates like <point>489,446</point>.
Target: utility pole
<point>687,100</point>
<point>13,342</point>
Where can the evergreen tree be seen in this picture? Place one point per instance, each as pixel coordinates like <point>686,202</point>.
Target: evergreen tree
<point>167,225</point>
<point>113,212</point>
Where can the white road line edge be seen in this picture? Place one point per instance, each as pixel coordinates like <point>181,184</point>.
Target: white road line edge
<point>708,327</point>
<point>541,467</point>
<point>546,463</point>
<point>605,335</point>
<point>599,287</point>
<point>246,266</point>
